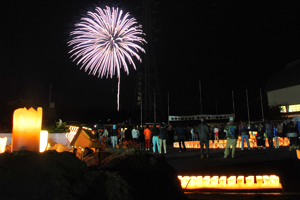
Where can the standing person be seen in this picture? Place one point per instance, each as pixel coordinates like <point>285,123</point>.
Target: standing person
<point>192,134</point>
<point>180,134</point>
<point>114,136</point>
<point>155,133</point>
<point>244,135</point>
<point>216,133</point>
<point>147,134</point>
<point>142,139</point>
<point>128,135</point>
<point>122,134</point>
<point>231,133</point>
<point>275,133</point>
<point>221,132</point>
<point>280,130</point>
<point>171,135</point>
<point>135,134</point>
<point>261,136</point>
<point>203,133</point>
<point>163,137</point>
<point>292,134</point>
<point>269,132</point>
<point>106,134</point>
<point>196,133</point>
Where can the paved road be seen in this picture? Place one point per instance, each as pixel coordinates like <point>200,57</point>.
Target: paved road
<point>281,162</point>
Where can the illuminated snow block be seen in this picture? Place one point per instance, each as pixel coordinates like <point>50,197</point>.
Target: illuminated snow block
<point>84,138</point>
<point>26,129</point>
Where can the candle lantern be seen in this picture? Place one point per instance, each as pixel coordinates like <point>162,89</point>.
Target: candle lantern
<point>195,182</point>
<point>259,180</point>
<point>26,129</point>
<point>206,181</point>
<point>231,180</point>
<point>266,180</point>
<point>43,140</point>
<point>250,180</point>
<point>222,180</point>
<point>240,180</point>
<point>214,180</point>
<point>3,144</point>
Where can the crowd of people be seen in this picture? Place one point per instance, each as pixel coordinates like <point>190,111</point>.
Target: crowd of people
<point>155,137</point>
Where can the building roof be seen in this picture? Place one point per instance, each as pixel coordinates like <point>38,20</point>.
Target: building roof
<point>288,77</point>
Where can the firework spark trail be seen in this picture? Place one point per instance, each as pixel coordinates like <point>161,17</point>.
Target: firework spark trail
<point>106,40</point>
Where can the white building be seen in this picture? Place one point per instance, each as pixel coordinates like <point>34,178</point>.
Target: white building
<point>283,89</point>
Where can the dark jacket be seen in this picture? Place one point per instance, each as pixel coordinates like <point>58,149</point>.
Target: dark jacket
<point>244,129</point>
<point>203,130</point>
<point>269,130</point>
<point>163,133</point>
<point>114,132</point>
<point>155,131</point>
<point>180,132</point>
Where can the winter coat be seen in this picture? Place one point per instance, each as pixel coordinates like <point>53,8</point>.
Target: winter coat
<point>203,130</point>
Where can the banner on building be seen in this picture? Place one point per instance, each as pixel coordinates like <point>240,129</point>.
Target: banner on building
<point>198,117</point>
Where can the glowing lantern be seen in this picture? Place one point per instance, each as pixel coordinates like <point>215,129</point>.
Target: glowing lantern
<point>250,180</point>
<point>206,181</point>
<point>259,180</point>
<point>298,153</point>
<point>240,180</point>
<point>214,145</point>
<point>231,180</point>
<point>43,140</point>
<point>195,181</point>
<point>214,180</point>
<point>266,180</point>
<point>184,181</point>
<point>26,129</point>
<point>3,144</point>
<point>222,180</point>
<point>274,180</point>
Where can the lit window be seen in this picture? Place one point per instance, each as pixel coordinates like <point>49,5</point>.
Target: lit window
<point>294,108</point>
<point>283,109</point>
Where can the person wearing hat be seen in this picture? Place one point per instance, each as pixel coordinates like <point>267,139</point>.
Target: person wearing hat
<point>231,134</point>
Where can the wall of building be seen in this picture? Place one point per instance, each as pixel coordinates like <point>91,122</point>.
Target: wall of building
<point>285,96</point>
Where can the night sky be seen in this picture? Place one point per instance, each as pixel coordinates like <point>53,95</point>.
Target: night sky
<point>227,45</point>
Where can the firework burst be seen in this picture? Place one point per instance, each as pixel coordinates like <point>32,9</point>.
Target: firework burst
<point>106,40</point>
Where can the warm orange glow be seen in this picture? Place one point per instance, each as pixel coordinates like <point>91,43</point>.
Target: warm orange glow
<point>3,144</point>
<point>43,140</point>
<point>222,143</point>
<point>298,153</point>
<point>240,180</point>
<point>214,180</point>
<point>26,129</point>
<point>232,182</point>
<point>259,180</point>
<point>194,181</point>
<point>250,180</point>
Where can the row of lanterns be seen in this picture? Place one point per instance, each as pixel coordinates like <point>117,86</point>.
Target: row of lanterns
<point>231,182</point>
<point>214,144</point>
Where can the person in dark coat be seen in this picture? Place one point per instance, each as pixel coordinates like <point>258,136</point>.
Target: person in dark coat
<point>163,132</point>
<point>180,134</point>
<point>128,135</point>
<point>203,133</point>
